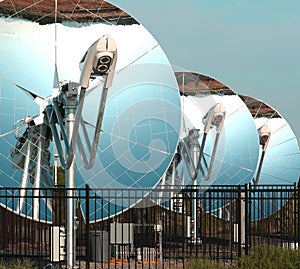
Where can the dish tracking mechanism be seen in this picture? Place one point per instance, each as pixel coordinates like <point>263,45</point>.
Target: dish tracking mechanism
<point>215,117</point>
<point>99,60</point>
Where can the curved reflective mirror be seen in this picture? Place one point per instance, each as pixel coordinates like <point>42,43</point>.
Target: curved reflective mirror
<point>42,45</point>
<point>218,142</point>
<point>279,158</point>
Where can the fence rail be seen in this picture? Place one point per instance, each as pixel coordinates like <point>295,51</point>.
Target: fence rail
<point>148,228</point>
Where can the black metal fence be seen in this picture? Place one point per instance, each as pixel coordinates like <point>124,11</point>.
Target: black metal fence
<point>148,228</point>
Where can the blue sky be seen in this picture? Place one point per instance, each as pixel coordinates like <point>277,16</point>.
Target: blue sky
<point>251,46</point>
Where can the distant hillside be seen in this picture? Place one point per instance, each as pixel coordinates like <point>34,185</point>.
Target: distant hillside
<point>43,12</point>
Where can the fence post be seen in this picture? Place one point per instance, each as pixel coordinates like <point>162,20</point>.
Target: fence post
<point>294,212</point>
<point>298,214</point>
<point>247,220</point>
<point>87,226</point>
<point>239,219</point>
<point>4,228</point>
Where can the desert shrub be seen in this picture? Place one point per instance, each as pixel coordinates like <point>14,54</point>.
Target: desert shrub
<point>269,257</point>
<point>16,264</point>
<point>261,257</point>
<point>197,263</point>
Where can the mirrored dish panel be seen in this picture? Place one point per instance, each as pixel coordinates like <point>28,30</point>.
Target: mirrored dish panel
<point>42,44</point>
<point>227,143</point>
<point>218,142</point>
<point>279,157</point>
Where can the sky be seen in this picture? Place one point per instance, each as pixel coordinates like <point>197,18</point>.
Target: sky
<point>251,46</point>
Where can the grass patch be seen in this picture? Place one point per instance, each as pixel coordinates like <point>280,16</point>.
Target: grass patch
<point>17,264</point>
<point>196,263</point>
<point>262,257</point>
<point>270,257</point>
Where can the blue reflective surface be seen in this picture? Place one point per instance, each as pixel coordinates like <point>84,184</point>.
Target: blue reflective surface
<point>234,160</point>
<point>142,116</point>
<point>237,149</point>
<point>280,163</point>
<point>237,152</point>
